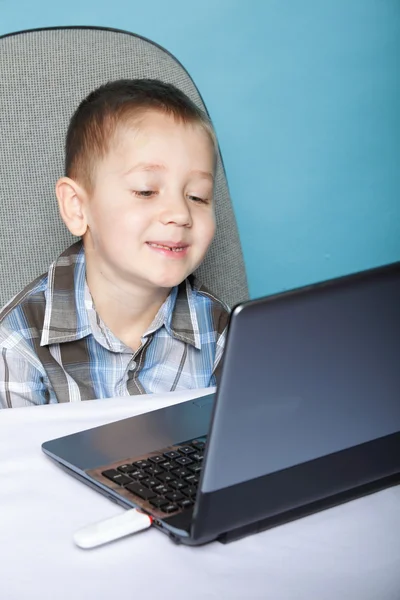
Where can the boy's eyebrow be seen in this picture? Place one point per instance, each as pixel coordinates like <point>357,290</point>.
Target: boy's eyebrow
<point>160,167</point>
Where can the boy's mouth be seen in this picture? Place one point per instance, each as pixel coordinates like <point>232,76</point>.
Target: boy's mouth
<point>169,246</point>
<point>169,249</point>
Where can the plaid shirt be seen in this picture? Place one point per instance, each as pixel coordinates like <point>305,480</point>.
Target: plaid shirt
<point>55,348</point>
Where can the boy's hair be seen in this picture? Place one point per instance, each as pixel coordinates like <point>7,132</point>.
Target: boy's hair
<point>96,119</point>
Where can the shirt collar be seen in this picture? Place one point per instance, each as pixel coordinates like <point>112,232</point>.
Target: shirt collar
<point>182,323</point>
<point>66,316</point>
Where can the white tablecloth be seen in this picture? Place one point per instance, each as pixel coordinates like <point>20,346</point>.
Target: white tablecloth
<point>349,552</point>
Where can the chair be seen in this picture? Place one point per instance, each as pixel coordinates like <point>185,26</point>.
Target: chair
<point>44,74</point>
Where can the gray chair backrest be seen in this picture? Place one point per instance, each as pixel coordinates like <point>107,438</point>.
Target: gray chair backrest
<point>44,75</point>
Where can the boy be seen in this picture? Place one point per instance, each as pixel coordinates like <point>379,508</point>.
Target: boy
<point>119,313</point>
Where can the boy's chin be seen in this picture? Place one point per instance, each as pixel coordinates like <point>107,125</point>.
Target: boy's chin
<point>168,282</point>
<point>168,278</point>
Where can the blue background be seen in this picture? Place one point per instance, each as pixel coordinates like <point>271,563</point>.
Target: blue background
<point>305,97</point>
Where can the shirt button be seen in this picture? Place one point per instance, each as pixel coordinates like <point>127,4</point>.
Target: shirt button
<point>132,365</point>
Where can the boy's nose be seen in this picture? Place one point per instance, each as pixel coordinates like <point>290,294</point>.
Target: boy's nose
<point>176,210</point>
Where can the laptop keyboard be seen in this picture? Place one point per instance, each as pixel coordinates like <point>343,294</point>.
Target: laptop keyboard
<point>167,480</point>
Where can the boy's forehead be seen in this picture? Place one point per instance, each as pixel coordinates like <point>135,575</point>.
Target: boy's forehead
<point>152,130</point>
<point>153,122</point>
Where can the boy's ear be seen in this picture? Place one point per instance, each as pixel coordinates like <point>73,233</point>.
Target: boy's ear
<point>71,202</point>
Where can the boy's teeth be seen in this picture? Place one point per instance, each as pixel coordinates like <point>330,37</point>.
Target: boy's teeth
<point>167,247</point>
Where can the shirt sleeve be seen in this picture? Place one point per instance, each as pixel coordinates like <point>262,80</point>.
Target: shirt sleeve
<point>21,382</point>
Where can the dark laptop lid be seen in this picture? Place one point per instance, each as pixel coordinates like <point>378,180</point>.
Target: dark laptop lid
<point>308,374</point>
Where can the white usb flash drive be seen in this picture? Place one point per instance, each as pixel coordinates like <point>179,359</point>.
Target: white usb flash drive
<point>126,523</point>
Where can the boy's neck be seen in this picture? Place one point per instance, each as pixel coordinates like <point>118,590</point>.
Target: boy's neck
<point>127,310</point>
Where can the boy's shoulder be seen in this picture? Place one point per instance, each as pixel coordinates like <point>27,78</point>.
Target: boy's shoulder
<point>26,311</point>
<point>32,295</point>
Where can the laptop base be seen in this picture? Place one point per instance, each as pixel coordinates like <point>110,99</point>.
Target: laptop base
<point>309,509</point>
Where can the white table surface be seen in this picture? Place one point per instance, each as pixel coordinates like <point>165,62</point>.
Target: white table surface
<point>348,552</point>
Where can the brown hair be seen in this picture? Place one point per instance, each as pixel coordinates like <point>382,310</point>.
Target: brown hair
<point>95,121</point>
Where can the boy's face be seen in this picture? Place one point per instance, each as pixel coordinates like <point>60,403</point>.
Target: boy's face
<point>150,215</point>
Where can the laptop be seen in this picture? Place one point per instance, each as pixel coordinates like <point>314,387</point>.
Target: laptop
<point>306,416</point>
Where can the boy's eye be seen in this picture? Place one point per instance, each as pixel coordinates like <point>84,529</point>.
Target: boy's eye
<point>144,193</point>
<point>198,199</point>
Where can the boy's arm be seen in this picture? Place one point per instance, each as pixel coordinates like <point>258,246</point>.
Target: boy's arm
<point>21,381</point>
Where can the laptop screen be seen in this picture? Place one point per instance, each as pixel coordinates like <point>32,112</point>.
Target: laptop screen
<point>306,374</point>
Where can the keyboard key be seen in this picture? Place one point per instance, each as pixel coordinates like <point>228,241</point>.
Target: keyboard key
<point>142,464</point>
<point>162,489</point>
<point>181,472</point>
<point>186,450</point>
<point>138,476</point>
<point>127,468</point>
<point>166,477</point>
<point>190,491</point>
<point>191,479</point>
<point>157,459</point>
<point>110,473</point>
<point>159,502</point>
<point>134,473</point>
<point>122,479</point>
<point>150,482</point>
<point>183,460</point>
<point>196,468</point>
<point>197,456</point>
<point>185,503</point>
<point>117,477</point>
<point>172,454</point>
<point>141,491</point>
<point>169,508</point>
<point>169,465</point>
<point>179,484</point>
<point>153,470</point>
<point>199,445</point>
<point>174,496</point>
